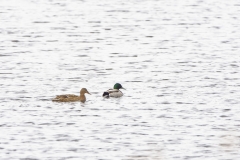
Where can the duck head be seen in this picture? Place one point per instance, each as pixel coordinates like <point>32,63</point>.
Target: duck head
<point>118,86</point>
<point>83,91</point>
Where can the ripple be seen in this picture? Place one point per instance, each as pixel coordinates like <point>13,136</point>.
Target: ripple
<point>181,100</point>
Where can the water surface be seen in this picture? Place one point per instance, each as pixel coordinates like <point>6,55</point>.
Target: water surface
<point>179,62</point>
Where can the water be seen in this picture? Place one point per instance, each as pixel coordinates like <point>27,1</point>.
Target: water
<point>179,62</point>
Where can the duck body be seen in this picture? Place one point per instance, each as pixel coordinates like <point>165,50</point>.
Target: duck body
<point>72,97</point>
<point>112,93</point>
<point>115,92</point>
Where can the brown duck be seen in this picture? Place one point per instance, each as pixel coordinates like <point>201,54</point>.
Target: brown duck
<point>72,97</point>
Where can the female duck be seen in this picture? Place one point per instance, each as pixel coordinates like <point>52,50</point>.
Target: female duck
<point>72,97</point>
<point>115,92</point>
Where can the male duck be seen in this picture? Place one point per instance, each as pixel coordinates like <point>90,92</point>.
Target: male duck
<point>72,97</point>
<point>115,92</point>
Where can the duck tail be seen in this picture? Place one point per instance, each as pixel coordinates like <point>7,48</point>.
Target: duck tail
<point>105,95</point>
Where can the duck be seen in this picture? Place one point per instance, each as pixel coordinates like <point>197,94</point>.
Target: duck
<point>72,97</point>
<point>115,92</point>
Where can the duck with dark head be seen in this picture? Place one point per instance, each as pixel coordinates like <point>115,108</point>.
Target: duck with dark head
<point>115,92</point>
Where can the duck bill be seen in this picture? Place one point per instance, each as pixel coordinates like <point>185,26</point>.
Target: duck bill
<point>88,93</point>
<point>122,88</point>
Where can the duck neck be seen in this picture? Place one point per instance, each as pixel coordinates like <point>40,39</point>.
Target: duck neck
<point>82,94</point>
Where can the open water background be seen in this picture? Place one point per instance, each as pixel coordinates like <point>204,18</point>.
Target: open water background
<point>178,60</point>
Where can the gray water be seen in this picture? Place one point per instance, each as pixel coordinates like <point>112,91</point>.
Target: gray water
<point>178,60</point>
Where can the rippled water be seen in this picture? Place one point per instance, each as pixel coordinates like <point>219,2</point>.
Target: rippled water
<point>178,60</point>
